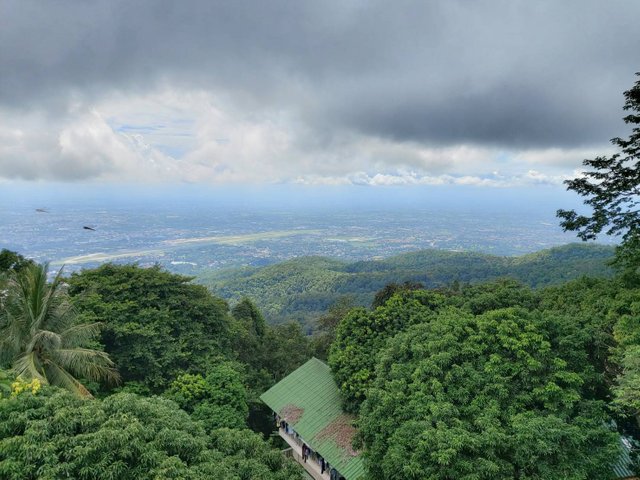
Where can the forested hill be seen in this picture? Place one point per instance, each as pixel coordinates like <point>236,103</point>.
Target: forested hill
<point>304,288</point>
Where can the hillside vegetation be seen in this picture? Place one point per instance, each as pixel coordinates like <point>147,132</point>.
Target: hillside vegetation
<point>304,288</point>
<point>478,380</point>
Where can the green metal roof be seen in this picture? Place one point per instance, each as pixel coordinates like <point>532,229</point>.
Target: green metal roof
<point>309,400</point>
<point>622,468</point>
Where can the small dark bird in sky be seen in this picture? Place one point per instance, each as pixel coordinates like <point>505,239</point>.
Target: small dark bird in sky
<point>42,210</point>
<point>89,228</point>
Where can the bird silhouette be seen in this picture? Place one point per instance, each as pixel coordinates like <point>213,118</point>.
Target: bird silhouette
<point>42,210</point>
<point>89,228</point>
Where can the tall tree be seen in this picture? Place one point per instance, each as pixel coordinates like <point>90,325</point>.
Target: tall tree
<point>247,312</point>
<point>327,323</point>
<point>41,339</point>
<point>362,334</point>
<point>611,188</point>
<point>157,325</point>
<point>485,398</point>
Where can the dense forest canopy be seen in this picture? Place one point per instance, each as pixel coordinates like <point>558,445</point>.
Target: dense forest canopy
<point>466,370</point>
<point>482,396</point>
<point>53,434</point>
<point>166,337</point>
<point>304,289</point>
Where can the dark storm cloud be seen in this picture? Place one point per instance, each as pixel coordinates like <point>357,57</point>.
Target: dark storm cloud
<point>502,73</point>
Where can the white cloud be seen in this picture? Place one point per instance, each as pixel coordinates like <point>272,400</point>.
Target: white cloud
<point>562,158</point>
<point>196,137</point>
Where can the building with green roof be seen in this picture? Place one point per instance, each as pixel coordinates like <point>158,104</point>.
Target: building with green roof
<point>309,413</point>
<point>623,466</point>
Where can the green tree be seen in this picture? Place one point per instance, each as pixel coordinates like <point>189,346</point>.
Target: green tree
<point>627,390</point>
<point>125,437</point>
<point>219,399</point>
<point>41,339</point>
<point>327,324</point>
<point>246,311</point>
<point>484,398</point>
<point>268,354</point>
<point>486,296</point>
<point>12,262</point>
<point>157,325</point>
<point>362,334</point>
<point>392,289</point>
<point>612,190</point>
<point>249,334</point>
<point>604,314</point>
<point>287,347</point>
<point>626,355</point>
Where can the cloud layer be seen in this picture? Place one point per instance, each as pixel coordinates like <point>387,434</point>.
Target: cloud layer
<point>312,92</point>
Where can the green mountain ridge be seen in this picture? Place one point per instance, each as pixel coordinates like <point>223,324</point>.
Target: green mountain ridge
<point>303,288</point>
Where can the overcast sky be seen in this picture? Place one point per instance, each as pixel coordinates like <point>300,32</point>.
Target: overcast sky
<point>491,93</point>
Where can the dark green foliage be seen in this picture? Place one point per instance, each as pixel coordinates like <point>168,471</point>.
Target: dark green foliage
<point>12,261</point>
<point>595,306</point>
<point>605,314</point>
<point>219,400</point>
<point>362,334</point>
<point>483,297</point>
<point>626,333</point>
<point>125,437</point>
<point>268,353</point>
<point>482,397</point>
<point>484,381</point>
<point>392,289</point>
<point>6,378</point>
<point>285,348</point>
<point>303,289</point>
<point>246,311</point>
<point>157,325</point>
<point>627,390</point>
<point>326,325</point>
<point>611,188</point>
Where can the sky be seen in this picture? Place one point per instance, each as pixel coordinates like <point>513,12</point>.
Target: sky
<point>487,94</point>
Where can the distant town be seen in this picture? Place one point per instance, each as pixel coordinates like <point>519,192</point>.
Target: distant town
<point>201,238</point>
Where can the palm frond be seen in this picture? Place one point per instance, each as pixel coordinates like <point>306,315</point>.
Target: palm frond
<point>12,338</point>
<point>44,340</point>
<point>80,334</point>
<point>28,366</point>
<point>61,378</point>
<point>86,363</point>
<point>51,306</point>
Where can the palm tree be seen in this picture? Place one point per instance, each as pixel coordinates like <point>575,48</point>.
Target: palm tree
<point>40,336</point>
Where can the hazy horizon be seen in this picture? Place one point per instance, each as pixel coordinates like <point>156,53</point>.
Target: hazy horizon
<point>194,228</point>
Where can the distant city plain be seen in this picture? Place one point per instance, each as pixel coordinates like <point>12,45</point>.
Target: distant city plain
<point>190,230</point>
